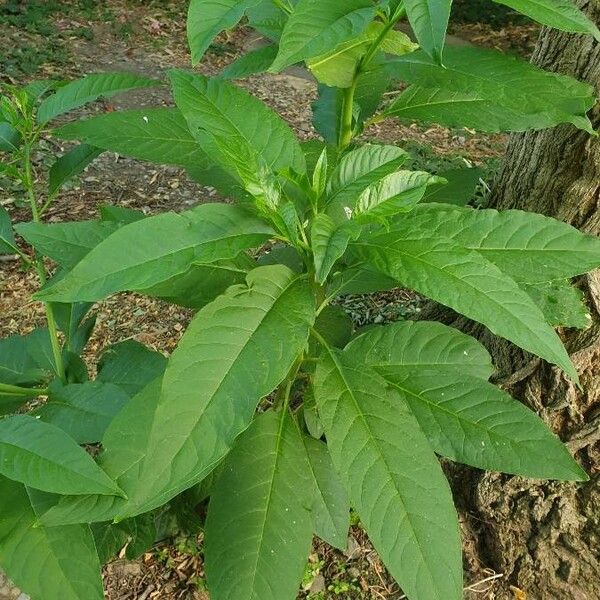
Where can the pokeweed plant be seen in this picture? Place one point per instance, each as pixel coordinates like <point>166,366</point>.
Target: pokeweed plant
<point>272,405</point>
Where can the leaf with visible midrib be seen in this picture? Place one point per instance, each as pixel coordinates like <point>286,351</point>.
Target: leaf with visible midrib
<point>66,243</point>
<point>393,477</point>
<point>316,26</point>
<point>124,446</point>
<point>478,88</point>
<point>87,89</point>
<point>329,242</point>
<point>42,456</point>
<point>159,135</point>
<point>207,18</point>
<point>259,524</point>
<point>529,247</point>
<point>82,410</point>
<point>473,422</point>
<point>560,14</point>
<point>147,252</point>
<point>70,164</point>
<point>235,351</point>
<point>423,345</point>
<point>241,133</point>
<point>467,282</point>
<point>331,507</point>
<point>360,168</point>
<point>45,562</point>
<point>429,19</point>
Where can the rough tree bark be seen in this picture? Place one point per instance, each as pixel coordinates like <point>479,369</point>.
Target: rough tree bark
<point>545,537</point>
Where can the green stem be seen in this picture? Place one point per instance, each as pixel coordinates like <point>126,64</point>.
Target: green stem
<point>284,7</point>
<point>17,390</point>
<point>41,269</point>
<point>319,337</point>
<point>346,129</point>
<point>347,118</point>
<point>283,394</point>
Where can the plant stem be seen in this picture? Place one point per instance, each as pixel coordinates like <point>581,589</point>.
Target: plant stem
<point>41,269</point>
<point>285,388</point>
<point>17,390</point>
<point>346,128</point>
<point>284,7</point>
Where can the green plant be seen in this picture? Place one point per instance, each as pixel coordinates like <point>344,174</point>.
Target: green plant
<point>271,405</point>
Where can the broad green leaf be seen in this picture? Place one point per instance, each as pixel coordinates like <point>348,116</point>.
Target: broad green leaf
<point>409,345</point>
<point>473,422</point>
<point>475,111</point>
<point>8,243</point>
<point>36,89</point>
<point>218,178</point>
<point>70,320</point>
<point>18,362</point>
<point>331,507</point>
<point>83,411</point>
<point>476,88</point>
<point>429,20</point>
<point>66,243</point>
<point>148,252</point>
<point>259,525</point>
<point>392,476</point>
<point>109,539</point>
<point>529,247</point>
<point>360,168</point>
<point>70,164</point>
<point>268,19</point>
<point>459,189</point>
<point>329,242</point>
<point>124,445</point>
<point>562,304</point>
<point>560,14</point>
<point>360,279</point>
<point>315,26</point>
<point>201,284</point>
<point>10,138</point>
<point>39,347</point>
<point>255,61</point>
<point>466,282</point>
<point>235,351</point>
<point>370,89</point>
<point>131,366</point>
<point>395,193</point>
<point>238,131</point>
<point>87,89</point>
<point>337,67</point>
<point>42,456</point>
<point>120,214</point>
<point>159,135</point>
<point>327,111</point>
<point>208,18</point>
<point>138,534</point>
<point>334,325</point>
<point>45,562</point>
<point>281,254</point>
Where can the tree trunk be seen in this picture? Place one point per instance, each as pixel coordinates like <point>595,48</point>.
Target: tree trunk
<point>545,537</point>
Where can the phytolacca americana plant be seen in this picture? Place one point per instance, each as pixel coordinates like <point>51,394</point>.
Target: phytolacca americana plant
<point>272,405</point>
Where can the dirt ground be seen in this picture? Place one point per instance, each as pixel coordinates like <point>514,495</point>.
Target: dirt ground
<point>149,38</point>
